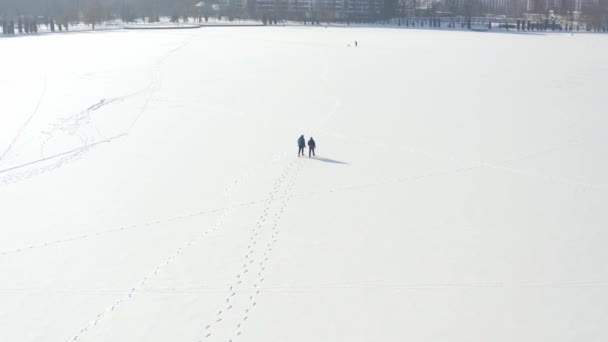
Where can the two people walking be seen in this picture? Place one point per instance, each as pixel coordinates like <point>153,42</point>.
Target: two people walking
<point>302,145</point>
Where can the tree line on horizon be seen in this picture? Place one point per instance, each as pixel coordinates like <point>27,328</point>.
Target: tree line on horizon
<point>26,15</point>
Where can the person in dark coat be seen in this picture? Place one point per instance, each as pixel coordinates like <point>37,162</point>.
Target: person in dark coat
<point>311,147</point>
<point>301,145</point>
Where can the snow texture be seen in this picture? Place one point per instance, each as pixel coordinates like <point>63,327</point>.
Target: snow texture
<point>150,188</point>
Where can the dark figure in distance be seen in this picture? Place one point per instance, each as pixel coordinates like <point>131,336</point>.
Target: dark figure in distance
<point>311,147</point>
<point>356,43</point>
<point>301,145</point>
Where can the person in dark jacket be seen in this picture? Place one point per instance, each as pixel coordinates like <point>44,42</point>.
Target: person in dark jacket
<point>301,145</point>
<point>311,147</point>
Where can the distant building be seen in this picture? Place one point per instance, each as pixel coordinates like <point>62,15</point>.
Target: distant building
<point>320,9</point>
<point>559,6</point>
<point>509,8</point>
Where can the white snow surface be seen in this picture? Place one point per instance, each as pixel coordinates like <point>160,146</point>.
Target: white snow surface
<point>150,188</point>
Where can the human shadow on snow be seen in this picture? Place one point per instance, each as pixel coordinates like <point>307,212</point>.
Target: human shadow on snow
<point>327,160</point>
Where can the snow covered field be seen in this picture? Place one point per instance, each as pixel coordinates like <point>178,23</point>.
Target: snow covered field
<point>150,189</point>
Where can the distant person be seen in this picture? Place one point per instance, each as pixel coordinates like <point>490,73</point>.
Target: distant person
<point>311,147</point>
<point>356,44</point>
<point>301,145</point>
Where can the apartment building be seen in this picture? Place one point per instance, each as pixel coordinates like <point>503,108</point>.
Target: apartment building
<point>320,9</point>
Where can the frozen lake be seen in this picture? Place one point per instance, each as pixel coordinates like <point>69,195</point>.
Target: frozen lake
<point>150,188</point>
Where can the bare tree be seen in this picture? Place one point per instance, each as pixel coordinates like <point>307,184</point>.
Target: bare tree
<point>92,12</point>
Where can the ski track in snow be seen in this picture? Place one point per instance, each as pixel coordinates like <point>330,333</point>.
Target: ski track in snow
<point>68,126</point>
<point>26,123</point>
<point>501,165</point>
<point>59,159</point>
<point>339,286</point>
<point>155,222</point>
<point>72,125</point>
<point>151,223</point>
<point>143,225</point>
